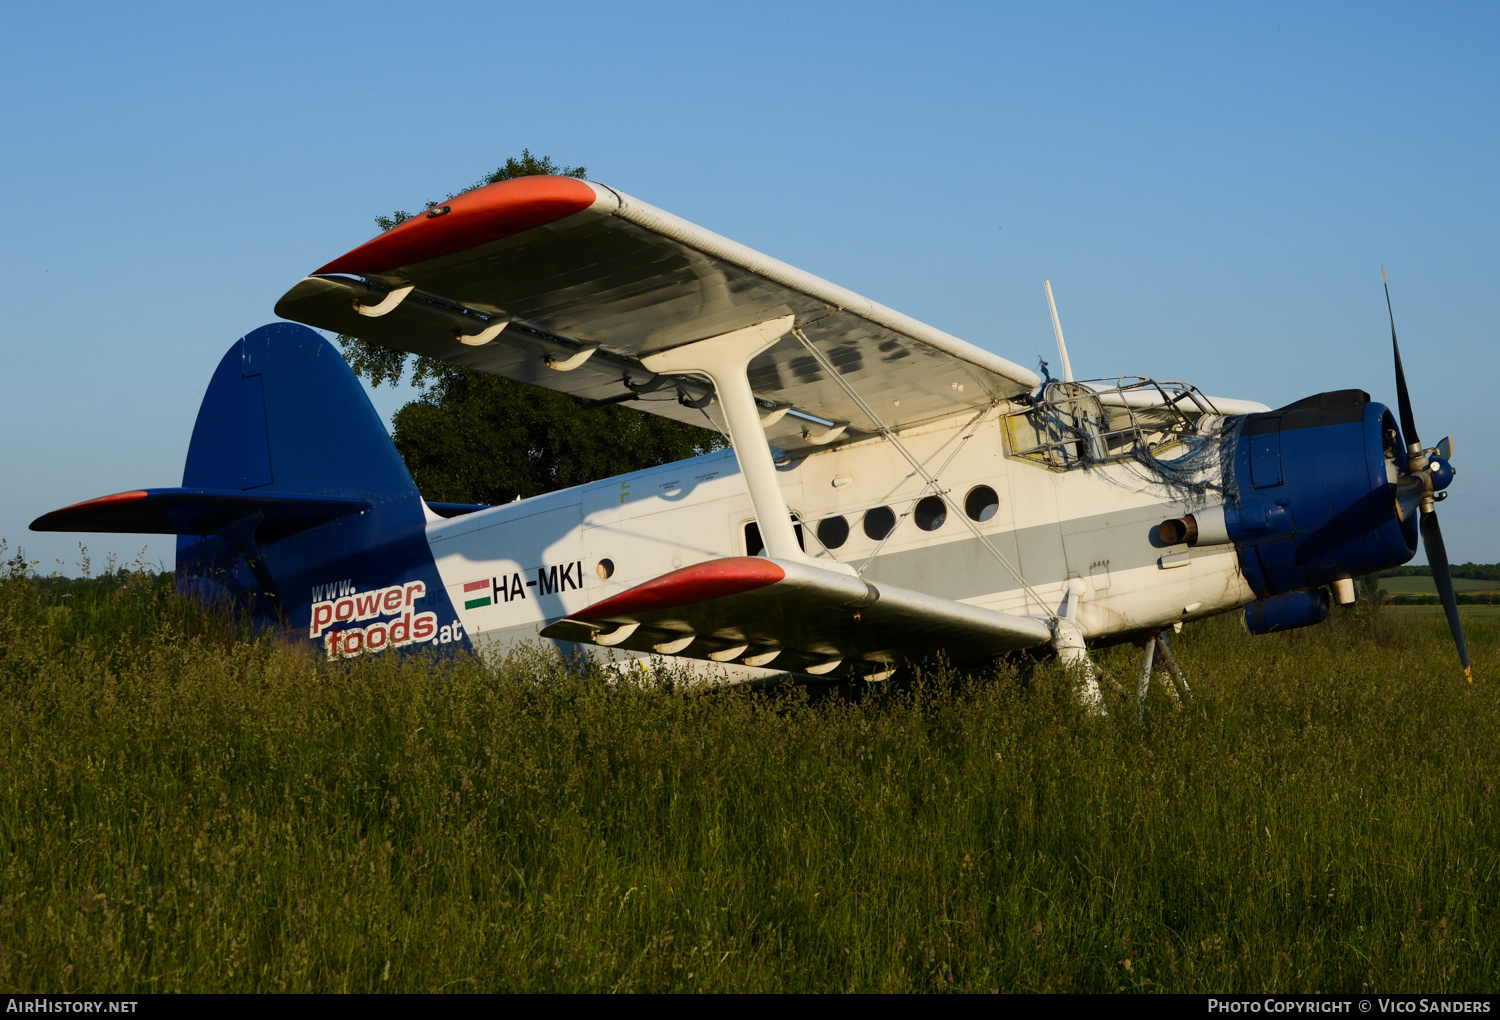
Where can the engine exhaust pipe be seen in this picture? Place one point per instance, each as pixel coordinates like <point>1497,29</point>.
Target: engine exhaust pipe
<point>1204,527</point>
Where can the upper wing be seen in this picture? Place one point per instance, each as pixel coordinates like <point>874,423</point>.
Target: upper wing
<point>793,616</point>
<point>575,265</point>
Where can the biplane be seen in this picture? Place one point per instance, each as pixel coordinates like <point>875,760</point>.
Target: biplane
<point>890,491</point>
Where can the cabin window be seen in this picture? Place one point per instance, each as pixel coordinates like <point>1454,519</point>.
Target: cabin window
<point>931,513</point>
<point>879,522</point>
<point>756,546</point>
<point>833,532</point>
<point>605,569</point>
<point>981,503</point>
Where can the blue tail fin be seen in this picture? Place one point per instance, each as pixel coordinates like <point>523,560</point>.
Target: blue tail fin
<point>294,504</point>
<point>283,413</point>
<point>284,420</point>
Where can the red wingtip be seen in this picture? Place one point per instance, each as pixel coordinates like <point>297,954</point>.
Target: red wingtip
<point>473,218</point>
<point>697,583</point>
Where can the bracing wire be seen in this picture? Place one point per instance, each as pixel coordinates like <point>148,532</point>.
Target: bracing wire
<point>917,466</point>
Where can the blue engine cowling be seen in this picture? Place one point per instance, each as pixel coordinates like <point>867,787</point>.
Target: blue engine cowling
<point>1314,494</point>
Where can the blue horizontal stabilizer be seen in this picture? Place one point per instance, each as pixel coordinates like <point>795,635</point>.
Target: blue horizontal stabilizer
<point>198,512</point>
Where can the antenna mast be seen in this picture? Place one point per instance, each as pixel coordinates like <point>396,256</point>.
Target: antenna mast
<point>1062,348</point>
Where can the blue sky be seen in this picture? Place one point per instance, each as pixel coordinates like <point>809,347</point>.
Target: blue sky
<point>1211,188</point>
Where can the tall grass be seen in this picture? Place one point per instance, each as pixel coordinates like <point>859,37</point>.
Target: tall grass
<point>183,808</point>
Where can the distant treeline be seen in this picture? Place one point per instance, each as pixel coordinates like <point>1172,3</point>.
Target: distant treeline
<point>102,585</point>
<point>1472,571</point>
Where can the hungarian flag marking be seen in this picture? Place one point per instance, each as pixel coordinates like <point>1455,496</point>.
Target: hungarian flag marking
<point>481,584</point>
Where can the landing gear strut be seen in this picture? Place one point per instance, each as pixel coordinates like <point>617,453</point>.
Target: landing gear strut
<point>1156,644</point>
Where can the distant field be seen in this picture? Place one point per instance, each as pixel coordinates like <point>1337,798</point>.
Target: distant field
<point>1478,614</point>
<point>1424,585</point>
<point>185,809</point>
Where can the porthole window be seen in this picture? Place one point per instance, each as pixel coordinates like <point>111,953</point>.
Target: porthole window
<point>756,546</point>
<point>981,503</point>
<point>605,569</point>
<point>879,522</point>
<point>931,513</point>
<point>833,532</point>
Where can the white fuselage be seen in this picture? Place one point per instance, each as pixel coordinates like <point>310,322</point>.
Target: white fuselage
<point>1091,533</point>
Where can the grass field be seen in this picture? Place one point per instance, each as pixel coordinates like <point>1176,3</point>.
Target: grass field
<point>185,809</point>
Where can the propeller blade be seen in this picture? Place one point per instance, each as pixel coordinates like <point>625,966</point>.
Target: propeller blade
<point>1437,557</point>
<point>1403,398</point>
<point>1409,493</point>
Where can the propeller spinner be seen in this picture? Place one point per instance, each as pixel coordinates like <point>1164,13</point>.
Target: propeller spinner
<point>1420,488</point>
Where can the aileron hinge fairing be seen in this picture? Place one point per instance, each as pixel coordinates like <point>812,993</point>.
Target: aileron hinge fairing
<point>675,645</point>
<point>386,305</point>
<point>696,403</point>
<point>619,635</point>
<point>568,364</point>
<point>828,435</point>
<point>485,335</point>
<point>654,383</point>
<point>774,415</point>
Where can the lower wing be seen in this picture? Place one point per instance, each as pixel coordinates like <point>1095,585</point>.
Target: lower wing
<point>793,616</point>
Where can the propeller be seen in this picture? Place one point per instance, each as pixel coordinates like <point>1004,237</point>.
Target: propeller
<point>1420,487</point>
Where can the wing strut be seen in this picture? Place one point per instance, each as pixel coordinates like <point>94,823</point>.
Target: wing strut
<point>725,359</point>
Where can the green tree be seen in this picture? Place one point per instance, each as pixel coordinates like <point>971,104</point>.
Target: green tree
<point>476,438</point>
<point>470,437</point>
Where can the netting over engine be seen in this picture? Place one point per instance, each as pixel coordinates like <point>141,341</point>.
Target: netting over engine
<point>1168,431</point>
